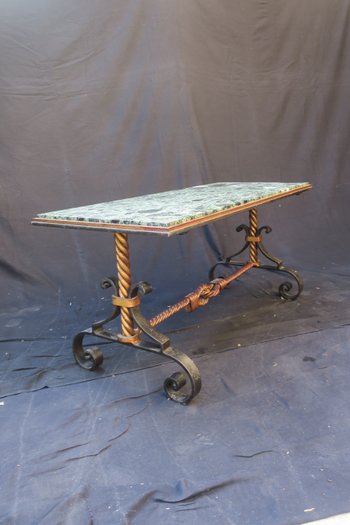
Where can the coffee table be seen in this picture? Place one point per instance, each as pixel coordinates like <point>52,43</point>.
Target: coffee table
<point>172,213</point>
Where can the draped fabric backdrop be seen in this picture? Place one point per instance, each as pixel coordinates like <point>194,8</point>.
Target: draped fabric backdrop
<point>102,100</point>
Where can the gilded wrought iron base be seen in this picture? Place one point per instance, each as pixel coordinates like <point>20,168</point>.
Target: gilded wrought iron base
<point>140,333</point>
<point>286,289</point>
<point>181,387</point>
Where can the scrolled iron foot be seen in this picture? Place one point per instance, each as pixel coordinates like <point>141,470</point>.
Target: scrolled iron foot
<point>89,358</point>
<point>286,289</point>
<point>173,384</point>
<point>182,387</point>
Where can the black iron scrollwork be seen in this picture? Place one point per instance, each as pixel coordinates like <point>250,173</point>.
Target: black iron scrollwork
<point>176,387</point>
<point>91,358</point>
<point>109,282</point>
<point>229,261</point>
<point>286,289</point>
<point>181,387</point>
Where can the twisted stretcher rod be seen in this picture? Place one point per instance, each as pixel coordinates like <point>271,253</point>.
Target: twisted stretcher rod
<point>201,295</point>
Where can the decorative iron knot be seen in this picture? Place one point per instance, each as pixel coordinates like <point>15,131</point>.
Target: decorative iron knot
<point>204,292</point>
<point>200,296</point>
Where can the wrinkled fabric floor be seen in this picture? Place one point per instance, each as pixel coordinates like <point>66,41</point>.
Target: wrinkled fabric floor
<point>36,342</point>
<point>265,442</point>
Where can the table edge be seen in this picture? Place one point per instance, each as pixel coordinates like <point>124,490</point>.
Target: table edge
<point>166,230</point>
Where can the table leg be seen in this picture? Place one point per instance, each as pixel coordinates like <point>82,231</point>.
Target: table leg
<point>253,242</point>
<point>136,330</point>
<point>124,281</point>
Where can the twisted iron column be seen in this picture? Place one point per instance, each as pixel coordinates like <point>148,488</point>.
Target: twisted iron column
<point>252,238</point>
<point>124,281</point>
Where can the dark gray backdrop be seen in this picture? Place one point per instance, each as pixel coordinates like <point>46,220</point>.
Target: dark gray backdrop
<point>102,100</point>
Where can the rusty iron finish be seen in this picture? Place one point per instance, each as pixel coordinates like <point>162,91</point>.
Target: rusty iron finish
<point>169,312</point>
<point>254,242</point>
<point>200,296</point>
<point>256,239</point>
<point>125,301</point>
<point>252,237</point>
<point>141,333</point>
<point>130,339</point>
<point>124,281</point>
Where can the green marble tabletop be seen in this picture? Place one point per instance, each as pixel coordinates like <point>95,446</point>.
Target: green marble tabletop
<point>172,212</point>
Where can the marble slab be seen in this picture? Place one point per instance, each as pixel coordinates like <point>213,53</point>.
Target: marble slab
<point>173,211</point>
